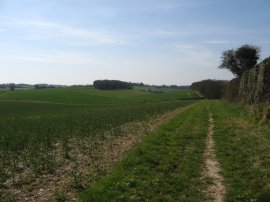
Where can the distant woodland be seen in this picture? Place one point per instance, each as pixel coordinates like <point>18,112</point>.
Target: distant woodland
<point>111,84</point>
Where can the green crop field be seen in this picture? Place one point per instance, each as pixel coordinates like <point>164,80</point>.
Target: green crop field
<point>128,145</point>
<point>94,96</point>
<point>37,126</point>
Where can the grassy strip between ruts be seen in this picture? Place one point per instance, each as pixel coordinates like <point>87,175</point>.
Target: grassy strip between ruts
<point>243,149</point>
<point>166,166</point>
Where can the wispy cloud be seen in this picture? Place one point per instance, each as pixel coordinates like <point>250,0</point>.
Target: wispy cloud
<point>216,42</point>
<point>43,29</point>
<point>184,46</point>
<point>173,5</point>
<point>56,58</point>
<point>166,33</point>
<point>199,29</point>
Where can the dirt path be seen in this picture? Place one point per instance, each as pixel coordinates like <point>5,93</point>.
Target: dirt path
<point>86,164</point>
<point>215,189</point>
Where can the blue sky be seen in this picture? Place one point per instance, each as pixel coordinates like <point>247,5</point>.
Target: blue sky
<point>150,41</point>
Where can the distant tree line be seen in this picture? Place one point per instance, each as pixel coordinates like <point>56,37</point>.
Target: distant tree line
<point>210,89</point>
<point>81,86</point>
<point>9,86</point>
<point>42,86</point>
<point>20,85</point>
<point>116,84</point>
<point>13,86</point>
<point>161,86</point>
<point>111,84</point>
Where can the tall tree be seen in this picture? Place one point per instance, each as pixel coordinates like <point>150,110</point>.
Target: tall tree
<point>240,60</point>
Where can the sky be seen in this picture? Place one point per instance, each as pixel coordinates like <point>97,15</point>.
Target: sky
<point>172,42</point>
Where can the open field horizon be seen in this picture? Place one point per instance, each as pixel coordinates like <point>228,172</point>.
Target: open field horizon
<point>84,150</point>
<point>134,101</point>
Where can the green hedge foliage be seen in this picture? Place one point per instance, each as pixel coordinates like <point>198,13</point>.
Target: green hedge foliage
<point>254,86</point>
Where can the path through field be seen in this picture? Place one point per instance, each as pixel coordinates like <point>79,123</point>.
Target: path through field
<point>216,189</point>
<point>109,151</point>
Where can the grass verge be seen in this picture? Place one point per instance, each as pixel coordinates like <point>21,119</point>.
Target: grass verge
<point>166,166</point>
<point>243,149</point>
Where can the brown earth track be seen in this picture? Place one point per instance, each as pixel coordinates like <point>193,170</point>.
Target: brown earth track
<point>215,190</point>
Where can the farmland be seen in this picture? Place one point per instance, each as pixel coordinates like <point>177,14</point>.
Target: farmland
<point>94,96</point>
<point>129,145</point>
<point>42,129</point>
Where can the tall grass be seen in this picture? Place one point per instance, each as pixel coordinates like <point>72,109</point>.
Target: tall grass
<point>243,148</point>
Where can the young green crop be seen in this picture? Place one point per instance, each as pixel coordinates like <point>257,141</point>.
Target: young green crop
<point>43,130</point>
<point>94,96</point>
<point>29,130</point>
